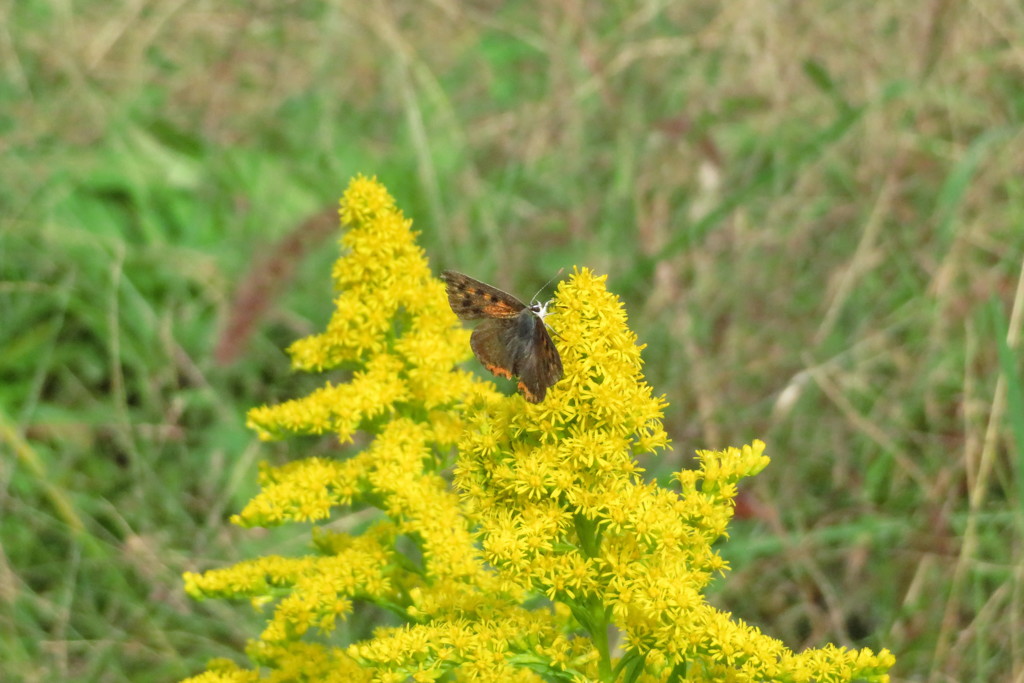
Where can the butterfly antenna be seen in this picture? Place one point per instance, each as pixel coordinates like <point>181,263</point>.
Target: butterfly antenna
<point>553,277</point>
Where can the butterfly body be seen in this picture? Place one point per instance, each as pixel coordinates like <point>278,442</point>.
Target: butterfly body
<point>512,341</point>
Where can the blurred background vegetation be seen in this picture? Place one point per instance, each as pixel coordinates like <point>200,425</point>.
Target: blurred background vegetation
<point>813,211</point>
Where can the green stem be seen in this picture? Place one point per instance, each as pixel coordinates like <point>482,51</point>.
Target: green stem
<point>599,636</point>
<point>586,531</point>
<point>595,615</point>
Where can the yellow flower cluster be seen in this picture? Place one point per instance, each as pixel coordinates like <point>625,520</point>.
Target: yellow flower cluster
<point>551,543</point>
<point>395,334</point>
<point>564,511</point>
<point>391,327</point>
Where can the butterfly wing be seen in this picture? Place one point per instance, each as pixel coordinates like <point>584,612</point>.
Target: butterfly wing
<point>512,340</point>
<point>472,299</point>
<point>488,342</point>
<point>535,360</point>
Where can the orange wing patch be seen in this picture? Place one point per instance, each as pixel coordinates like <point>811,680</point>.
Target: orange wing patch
<point>529,395</point>
<point>499,371</point>
<point>496,308</point>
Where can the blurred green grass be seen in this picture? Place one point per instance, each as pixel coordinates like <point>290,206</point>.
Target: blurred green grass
<point>814,214</point>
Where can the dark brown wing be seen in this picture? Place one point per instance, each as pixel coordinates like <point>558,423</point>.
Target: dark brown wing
<point>472,299</point>
<point>539,366</point>
<point>519,347</point>
<point>489,343</point>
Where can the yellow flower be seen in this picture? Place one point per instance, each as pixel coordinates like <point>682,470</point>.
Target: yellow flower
<point>615,548</point>
<point>391,326</point>
<point>550,538</point>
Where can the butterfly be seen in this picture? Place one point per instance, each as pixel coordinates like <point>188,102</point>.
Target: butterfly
<point>512,340</point>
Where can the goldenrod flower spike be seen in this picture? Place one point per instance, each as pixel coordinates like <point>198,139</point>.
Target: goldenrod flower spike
<point>564,511</point>
<point>554,542</point>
